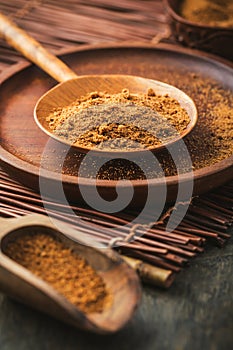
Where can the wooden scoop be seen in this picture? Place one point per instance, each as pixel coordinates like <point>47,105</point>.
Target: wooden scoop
<point>22,285</point>
<point>72,86</point>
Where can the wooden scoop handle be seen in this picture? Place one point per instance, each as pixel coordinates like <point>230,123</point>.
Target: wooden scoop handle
<point>32,50</point>
<point>150,274</point>
<point>6,225</point>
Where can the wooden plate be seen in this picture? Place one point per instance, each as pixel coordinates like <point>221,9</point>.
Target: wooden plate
<point>23,144</point>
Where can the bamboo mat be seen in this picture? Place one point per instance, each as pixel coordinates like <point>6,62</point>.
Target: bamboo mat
<point>58,24</point>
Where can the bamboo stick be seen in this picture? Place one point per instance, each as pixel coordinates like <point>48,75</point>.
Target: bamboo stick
<point>151,274</point>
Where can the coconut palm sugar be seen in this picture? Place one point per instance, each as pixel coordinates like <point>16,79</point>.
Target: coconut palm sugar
<point>62,268</point>
<point>128,120</point>
<point>209,143</point>
<point>209,12</point>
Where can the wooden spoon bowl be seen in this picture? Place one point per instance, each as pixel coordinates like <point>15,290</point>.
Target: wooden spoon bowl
<point>22,285</point>
<point>65,93</point>
<point>72,87</point>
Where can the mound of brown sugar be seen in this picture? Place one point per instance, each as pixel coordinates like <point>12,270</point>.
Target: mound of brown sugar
<point>209,143</point>
<point>132,120</point>
<point>209,12</point>
<point>62,268</point>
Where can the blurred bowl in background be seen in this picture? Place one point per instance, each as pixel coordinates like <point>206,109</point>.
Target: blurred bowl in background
<point>217,40</point>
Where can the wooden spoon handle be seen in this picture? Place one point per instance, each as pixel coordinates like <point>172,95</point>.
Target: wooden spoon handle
<point>32,50</point>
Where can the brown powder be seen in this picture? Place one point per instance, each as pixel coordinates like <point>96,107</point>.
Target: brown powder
<point>210,142</point>
<point>146,120</point>
<point>62,268</point>
<point>121,134</point>
<point>209,12</point>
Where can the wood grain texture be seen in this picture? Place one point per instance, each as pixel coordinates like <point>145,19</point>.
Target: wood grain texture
<point>74,86</point>
<point>121,281</point>
<point>195,313</point>
<point>23,142</point>
<point>66,93</point>
<point>31,49</point>
<point>58,24</point>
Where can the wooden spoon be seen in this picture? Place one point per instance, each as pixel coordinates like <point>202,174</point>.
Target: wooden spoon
<point>72,86</point>
<point>22,285</point>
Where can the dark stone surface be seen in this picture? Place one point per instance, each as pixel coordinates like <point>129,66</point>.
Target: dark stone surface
<point>195,313</point>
